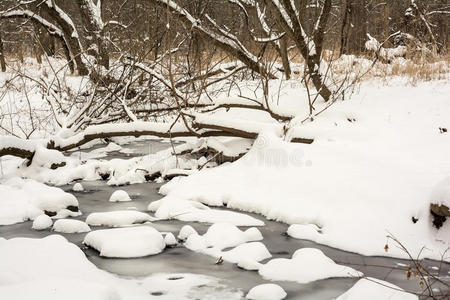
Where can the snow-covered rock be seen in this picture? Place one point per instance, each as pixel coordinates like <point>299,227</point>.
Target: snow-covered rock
<point>42,222</point>
<point>268,291</point>
<point>170,240</point>
<point>185,232</point>
<point>255,251</point>
<point>375,289</point>
<point>117,218</point>
<point>249,264</point>
<point>119,196</point>
<point>306,265</point>
<point>25,199</point>
<point>70,226</point>
<point>77,187</point>
<point>126,242</point>
<point>220,236</point>
<point>306,232</point>
<point>192,211</point>
<point>225,235</point>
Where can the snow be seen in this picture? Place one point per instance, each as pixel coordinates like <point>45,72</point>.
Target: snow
<point>42,222</point>
<point>375,289</point>
<point>225,235</point>
<point>70,226</point>
<point>304,231</point>
<point>117,218</point>
<point>249,264</point>
<point>77,187</point>
<point>56,269</point>
<point>441,193</point>
<point>268,291</point>
<point>126,242</point>
<point>348,181</point>
<point>170,240</point>
<point>247,253</point>
<point>186,231</point>
<point>220,236</point>
<point>119,196</point>
<point>306,265</point>
<point>189,211</point>
<point>25,199</point>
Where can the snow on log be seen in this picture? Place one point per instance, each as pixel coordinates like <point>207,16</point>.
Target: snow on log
<point>11,145</point>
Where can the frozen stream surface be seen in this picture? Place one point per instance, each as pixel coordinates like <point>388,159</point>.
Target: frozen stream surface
<point>182,260</point>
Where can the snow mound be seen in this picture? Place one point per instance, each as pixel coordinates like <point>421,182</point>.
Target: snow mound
<point>119,196</point>
<point>268,291</point>
<point>375,289</point>
<point>170,240</point>
<point>224,235</point>
<point>441,193</point>
<point>117,218</point>
<point>220,236</point>
<point>306,265</point>
<point>25,199</point>
<point>70,226</point>
<point>249,264</point>
<point>126,242</point>
<point>247,253</point>
<point>192,211</point>
<point>42,222</point>
<point>186,231</point>
<point>305,232</point>
<point>77,187</point>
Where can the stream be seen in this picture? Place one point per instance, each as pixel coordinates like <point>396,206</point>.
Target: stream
<point>182,260</point>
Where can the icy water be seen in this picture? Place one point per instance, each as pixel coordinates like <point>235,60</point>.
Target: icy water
<point>181,260</point>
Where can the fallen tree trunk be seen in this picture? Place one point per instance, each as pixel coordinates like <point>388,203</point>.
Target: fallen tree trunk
<point>205,127</point>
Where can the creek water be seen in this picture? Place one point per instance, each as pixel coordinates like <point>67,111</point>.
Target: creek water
<point>181,260</point>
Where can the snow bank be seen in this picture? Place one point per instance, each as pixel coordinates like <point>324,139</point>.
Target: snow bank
<point>56,269</point>
<point>119,196</point>
<point>268,291</point>
<point>375,289</point>
<point>306,265</point>
<point>25,199</point>
<point>371,169</point>
<point>70,226</point>
<point>117,218</point>
<point>126,242</point>
<point>42,222</point>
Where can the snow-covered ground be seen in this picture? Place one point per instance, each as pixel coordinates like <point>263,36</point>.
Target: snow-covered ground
<point>378,160</point>
<point>373,167</point>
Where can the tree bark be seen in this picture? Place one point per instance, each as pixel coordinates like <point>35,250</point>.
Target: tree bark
<point>2,56</point>
<point>91,17</point>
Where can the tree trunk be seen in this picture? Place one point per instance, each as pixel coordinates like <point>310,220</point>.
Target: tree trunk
<point>346,19</point>
<point>91,17</point>
<point>285,57</point>
<point>2,56</point>
<point>71,37</point>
